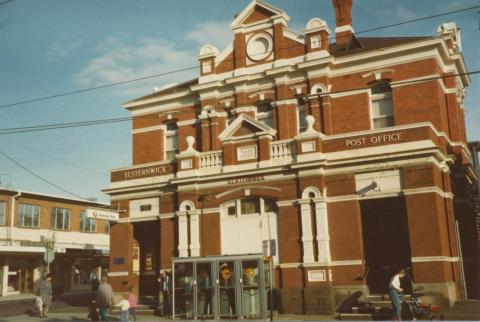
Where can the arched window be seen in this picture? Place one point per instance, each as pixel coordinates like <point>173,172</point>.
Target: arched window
<point>382,105</point>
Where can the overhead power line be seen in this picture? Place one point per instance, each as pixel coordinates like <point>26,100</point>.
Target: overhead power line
<point>224,61</point>
<point>46,127</point>
<point>39,177</point>
<point>54,158</point>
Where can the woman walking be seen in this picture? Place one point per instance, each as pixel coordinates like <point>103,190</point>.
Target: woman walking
<point>45,293</point>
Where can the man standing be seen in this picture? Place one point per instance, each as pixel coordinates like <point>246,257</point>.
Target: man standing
<point>164,294</point>
<point>104,298</point>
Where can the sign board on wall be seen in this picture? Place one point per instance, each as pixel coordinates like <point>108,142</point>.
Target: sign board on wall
<point>102,214</point>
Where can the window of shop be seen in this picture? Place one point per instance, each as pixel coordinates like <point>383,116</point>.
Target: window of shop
<point>2,213</point>
<point>60,218</point>
<point>107,227</point>
<point>171,141</point>
<point>28,215</point>
<point>382,106</point>
<point>87,224</point>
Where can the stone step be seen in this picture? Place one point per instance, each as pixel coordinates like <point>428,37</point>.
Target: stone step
<point>380,303</point>
<point>355,317</point>
<point>377,297</point>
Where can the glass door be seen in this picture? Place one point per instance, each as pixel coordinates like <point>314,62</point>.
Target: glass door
<point>250,282</point>
<point>204,292</point>
<point>226,285</point>
<point>183,292</point>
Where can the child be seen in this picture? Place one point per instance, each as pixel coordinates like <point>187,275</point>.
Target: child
<point>132,300</point>
<point>94,311</point>
<point>124,306</point>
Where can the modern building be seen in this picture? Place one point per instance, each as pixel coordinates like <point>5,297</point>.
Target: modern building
<point>338,156</point>
<point>31,222</point>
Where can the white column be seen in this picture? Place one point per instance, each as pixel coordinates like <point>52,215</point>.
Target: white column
<point>182,234</point>
<point>323,237</point>
<point>4,281</point>
<point>307,235</point>
<point>194,234</point>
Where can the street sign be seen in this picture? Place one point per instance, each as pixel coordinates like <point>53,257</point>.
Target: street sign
<point>102,214</point>
<point>49,256</point>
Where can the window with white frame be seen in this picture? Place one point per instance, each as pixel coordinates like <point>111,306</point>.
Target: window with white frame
<point>265,114</point>
<point>171,141</point>
<point>382,105</point>
<point>315,42</point>
<point>87,224</point>
<point>206,66</point>
<point>2,212</point>
<point>60,218</point>
<point>301,122</point>
<point>28,216</point>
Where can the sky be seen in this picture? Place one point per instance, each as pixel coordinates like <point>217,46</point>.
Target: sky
<point>54,46</point>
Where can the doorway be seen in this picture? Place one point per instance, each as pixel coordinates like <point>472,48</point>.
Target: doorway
<point>385,240</point>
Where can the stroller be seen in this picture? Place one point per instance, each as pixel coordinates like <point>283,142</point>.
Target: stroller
<point>38,306</point>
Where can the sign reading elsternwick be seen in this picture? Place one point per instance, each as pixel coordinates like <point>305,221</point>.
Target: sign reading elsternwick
<point>102,214</point>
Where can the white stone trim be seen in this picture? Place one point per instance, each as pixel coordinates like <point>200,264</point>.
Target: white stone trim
<point>115,274</point>
<point>353,262</point>
<point>344,28</point>
<point>294,36</point>
<point>182,234</point>
<point>347,93</point>
<point>149,129</point>
<point>429,259</point>
<point>188,122</point>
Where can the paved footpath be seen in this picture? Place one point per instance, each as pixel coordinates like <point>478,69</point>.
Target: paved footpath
<point>59,317</point>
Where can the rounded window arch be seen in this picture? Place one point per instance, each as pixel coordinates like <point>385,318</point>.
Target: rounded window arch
<point>318,88</point>
<point>187,205</point>
<point>311,192</point>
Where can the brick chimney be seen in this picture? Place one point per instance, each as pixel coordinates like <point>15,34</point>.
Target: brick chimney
<point>343,28</point>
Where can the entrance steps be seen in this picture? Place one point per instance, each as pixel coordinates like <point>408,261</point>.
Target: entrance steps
<point>373,307</point>
<point>147,305</point>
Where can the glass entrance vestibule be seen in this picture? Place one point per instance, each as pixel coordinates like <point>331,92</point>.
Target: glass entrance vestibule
<point>221,287</point>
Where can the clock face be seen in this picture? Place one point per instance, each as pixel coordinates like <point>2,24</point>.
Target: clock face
<point>259,46</point>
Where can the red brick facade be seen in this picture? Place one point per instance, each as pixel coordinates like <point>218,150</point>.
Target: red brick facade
<point>236,155</point>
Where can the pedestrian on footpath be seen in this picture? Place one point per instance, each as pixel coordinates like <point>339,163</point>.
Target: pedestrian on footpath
<point>165,290</point>
<point>104,298</point>
<point>395,290</point>
<point>132,300</point>
<point>45,293</point>
<point>124,308</point>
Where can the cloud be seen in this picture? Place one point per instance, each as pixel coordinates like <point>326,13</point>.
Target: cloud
<point>119,59</point>
<point>60,49</point>
<point>392,13</point>
<point>218,34</point>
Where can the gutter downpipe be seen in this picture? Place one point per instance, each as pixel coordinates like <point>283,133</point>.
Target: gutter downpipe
<point>12,216</point>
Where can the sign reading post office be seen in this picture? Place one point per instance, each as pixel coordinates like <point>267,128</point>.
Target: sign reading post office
<point>102,214</point>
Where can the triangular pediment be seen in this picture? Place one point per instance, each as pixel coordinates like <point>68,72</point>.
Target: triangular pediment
<point>258,11</point>
<point>245,126</point>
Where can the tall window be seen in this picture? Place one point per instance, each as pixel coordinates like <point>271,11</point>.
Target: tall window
<point>60,218</point>
<point>301,122</point>
<point>87,224</point>
<point>265,114</point>
<point>28,215</point>
<point>2,212</point>
<point>382,107</point>
<point>171,141</point>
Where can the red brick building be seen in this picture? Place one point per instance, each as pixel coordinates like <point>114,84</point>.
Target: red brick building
<point>340,148</point>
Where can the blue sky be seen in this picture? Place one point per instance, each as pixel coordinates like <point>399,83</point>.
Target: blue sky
<point>53,46</point>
